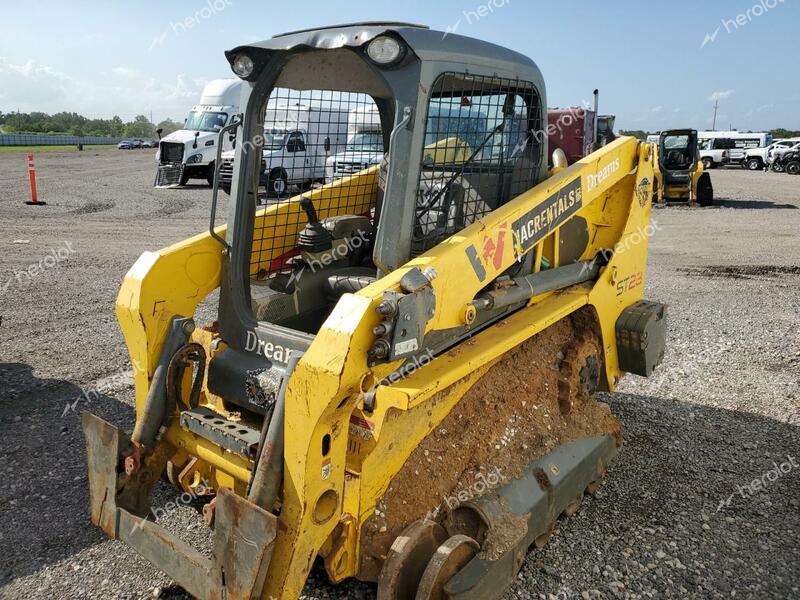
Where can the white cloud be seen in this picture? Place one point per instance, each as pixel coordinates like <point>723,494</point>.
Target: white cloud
<point>656,109</point>
<point>125,91</point>
<point>721,95</point>
<point>125,71</point>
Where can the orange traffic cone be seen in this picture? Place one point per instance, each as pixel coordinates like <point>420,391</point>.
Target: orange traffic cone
<point>34,201</point>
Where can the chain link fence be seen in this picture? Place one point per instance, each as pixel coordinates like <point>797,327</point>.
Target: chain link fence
<point>29,139</point>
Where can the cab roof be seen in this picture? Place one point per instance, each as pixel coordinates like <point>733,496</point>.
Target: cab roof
<point>428,44</point>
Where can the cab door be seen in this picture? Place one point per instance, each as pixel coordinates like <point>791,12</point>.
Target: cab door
<point>298,167</point>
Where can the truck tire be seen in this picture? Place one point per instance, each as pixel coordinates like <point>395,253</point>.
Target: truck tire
<point>708,163</point>
<point>210,173</point>
<point>184,178</point>
<point>277,183</point>
<point>705,190</point>
<point>754,164</point>
<point>793,168</point>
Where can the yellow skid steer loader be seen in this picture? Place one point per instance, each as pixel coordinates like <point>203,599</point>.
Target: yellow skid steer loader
<point>401,377</point>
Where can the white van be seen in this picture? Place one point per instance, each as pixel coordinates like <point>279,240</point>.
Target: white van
<point>190,152</point>
<point>719,148</point>
<point>298,140</point>
<point>364,144</point>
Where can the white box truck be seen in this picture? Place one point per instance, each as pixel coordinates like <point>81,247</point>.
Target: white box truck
<point>190,152</point>
<point>364,144</point>
<point>298,140</point>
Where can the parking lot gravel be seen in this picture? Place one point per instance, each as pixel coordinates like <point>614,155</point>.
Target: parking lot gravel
<point>702,502</point>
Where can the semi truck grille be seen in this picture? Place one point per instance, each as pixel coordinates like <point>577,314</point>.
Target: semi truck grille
<point>168,175</point>
<point>348,168</point>
<point>226,172</point>
<point>171,152</point>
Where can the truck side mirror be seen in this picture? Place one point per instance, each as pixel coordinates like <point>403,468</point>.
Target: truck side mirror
<point>159,131</point>
<point>196,135</point>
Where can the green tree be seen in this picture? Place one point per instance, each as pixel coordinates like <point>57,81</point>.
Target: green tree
<point>637,133</point>
<point>784,133</point>
<point>168,126</point>
<point>140,127</point>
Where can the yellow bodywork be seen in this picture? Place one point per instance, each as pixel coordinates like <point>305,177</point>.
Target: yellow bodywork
<point>326,497</point>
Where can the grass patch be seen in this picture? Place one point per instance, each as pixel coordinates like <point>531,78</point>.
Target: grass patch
<point>68,148</point>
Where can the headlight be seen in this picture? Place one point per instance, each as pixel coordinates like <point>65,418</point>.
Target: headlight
<point>243,65</point>
<point>194,158</point>
<point>385,50</point>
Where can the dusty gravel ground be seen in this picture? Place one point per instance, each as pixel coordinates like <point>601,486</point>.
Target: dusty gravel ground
<point>676,518</point>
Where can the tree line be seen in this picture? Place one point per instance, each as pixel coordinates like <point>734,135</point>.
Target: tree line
<point>74,124</point>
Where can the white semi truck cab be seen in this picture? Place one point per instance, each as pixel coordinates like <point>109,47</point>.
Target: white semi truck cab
<point>189,153</point>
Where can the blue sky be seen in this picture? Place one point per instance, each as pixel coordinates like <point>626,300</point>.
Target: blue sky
<point>102,58</point>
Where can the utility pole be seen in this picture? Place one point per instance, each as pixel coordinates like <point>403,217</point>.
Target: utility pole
<point>716,107</point>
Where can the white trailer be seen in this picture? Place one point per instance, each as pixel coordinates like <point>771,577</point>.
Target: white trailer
<point>190,152</point>
<point>364,144</point>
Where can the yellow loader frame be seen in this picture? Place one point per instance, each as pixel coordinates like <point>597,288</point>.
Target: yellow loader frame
<point>334,479</point>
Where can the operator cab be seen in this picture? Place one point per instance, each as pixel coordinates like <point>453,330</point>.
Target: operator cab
<point>679,155</point>
<point>457,143</point>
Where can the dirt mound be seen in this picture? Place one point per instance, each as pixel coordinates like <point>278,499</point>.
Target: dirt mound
<point>508,419</point>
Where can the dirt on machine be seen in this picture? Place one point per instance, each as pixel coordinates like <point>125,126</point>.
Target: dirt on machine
<point>510,417</point>
<point>401,380</point>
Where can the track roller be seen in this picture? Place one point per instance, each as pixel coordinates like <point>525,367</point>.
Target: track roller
<point>408,559</point>
<point>448,560</point>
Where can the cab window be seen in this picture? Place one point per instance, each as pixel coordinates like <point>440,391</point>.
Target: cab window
<point>296,142</point>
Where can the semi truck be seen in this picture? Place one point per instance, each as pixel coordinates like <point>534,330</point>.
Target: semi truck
<point>579,131</point>
<point>190,152</point>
